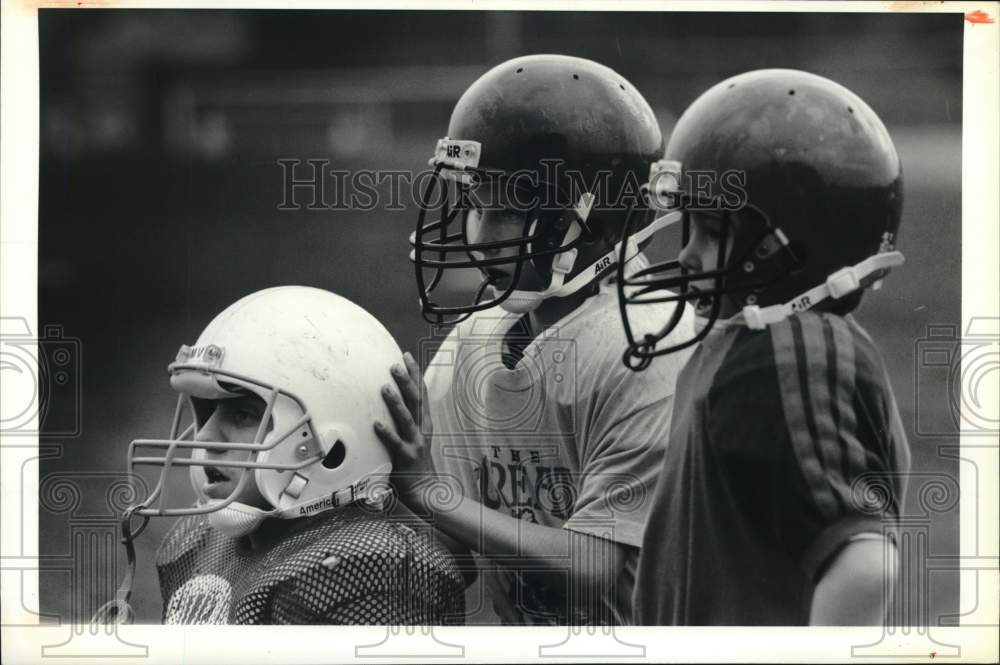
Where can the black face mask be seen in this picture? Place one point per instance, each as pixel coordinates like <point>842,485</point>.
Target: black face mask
<point>436,243</point>
<point>761,256</point>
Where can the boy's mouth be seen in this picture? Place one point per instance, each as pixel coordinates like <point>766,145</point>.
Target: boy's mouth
<point>496,277</point>
<point>214,475</point>
<point>495,274</point>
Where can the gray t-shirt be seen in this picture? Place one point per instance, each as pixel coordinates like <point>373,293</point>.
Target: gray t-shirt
<point>569,438</point>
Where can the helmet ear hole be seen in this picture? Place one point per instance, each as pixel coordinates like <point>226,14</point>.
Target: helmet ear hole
<point>336,456</point>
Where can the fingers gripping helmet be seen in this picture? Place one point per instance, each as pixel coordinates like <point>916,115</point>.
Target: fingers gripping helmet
<point>812,176</point>
<point>569,140</point>
<point>318,361</point>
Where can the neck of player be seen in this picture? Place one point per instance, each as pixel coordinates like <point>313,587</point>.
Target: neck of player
<point>552,310</point>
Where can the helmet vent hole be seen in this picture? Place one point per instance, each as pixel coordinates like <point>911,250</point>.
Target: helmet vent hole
<point>791,92</point>
<point>730,86</point>
<point>519,70</point>
<point>576,77</point>
<point>621,86</point>
<point>336,456</point>
<point>850,110</point>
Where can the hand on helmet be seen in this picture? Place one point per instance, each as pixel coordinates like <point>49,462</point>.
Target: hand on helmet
<point>409,444</point>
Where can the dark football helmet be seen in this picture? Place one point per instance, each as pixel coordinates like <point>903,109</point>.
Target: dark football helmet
<point>811,175</point>
<point>566,142</point>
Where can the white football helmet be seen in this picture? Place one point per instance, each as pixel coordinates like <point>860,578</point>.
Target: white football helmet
<point>319,362</point>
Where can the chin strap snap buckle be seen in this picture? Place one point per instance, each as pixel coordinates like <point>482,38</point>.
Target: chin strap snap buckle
<point>563,263</point>
<point>842,282</point>
<point>757,318</point>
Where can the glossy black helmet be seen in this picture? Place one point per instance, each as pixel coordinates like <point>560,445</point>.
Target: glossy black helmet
<point>812,176</point>
<point>567,142</point>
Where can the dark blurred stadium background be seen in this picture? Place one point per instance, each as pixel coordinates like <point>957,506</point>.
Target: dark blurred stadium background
<point>159,187</point>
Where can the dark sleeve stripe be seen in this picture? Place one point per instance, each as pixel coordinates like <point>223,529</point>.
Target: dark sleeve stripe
<point>820,403</point>
<point>846,370</point>
<point>842,417</point>
<point>793,399</point>
<point>816,362</point>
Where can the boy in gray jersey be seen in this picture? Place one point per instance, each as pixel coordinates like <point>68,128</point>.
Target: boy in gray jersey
<point>544,447</point>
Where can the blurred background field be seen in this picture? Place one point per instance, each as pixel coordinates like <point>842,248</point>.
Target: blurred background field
<point>160,186</point>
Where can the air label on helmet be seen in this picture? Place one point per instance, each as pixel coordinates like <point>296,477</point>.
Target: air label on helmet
<point>801,304</point>
<point>459,155</point>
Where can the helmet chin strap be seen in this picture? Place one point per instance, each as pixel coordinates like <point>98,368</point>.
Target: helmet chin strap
<point>239,519</point>
<point>522,302</point>
<point>837,285</point>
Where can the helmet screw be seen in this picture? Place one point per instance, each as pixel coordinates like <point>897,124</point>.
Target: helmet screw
<point>748,266</point>
<point>751,299</point>
<point>302,450</point>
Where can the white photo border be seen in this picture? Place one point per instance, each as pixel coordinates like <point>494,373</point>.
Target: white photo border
<point>26,642</point>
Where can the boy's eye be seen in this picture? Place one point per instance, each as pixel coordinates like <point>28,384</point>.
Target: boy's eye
<point>247,418</point>
<point>709,226</point>
<point>709,231</point>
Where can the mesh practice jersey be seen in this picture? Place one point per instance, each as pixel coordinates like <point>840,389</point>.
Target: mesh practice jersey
<point>348,566</point>
<point>568,438</point>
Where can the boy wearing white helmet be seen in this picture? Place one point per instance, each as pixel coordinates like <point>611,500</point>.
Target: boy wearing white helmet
<point>290,523</point>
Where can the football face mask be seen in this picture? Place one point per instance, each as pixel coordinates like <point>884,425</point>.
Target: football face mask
<point>750,255</point>
<point>560,142</point>
<point>811,202</point>
<point>286,451</point>
<point>464,196</point>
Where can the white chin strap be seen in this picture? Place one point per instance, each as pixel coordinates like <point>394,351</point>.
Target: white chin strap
<point>237,519</point>
<point>841,283</point>
<point>521,302</point>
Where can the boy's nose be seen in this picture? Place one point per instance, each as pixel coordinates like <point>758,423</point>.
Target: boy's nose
<point>689,258</point>
<point>210,431</point>
<point>485,254</point>
<point>477,236</point>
